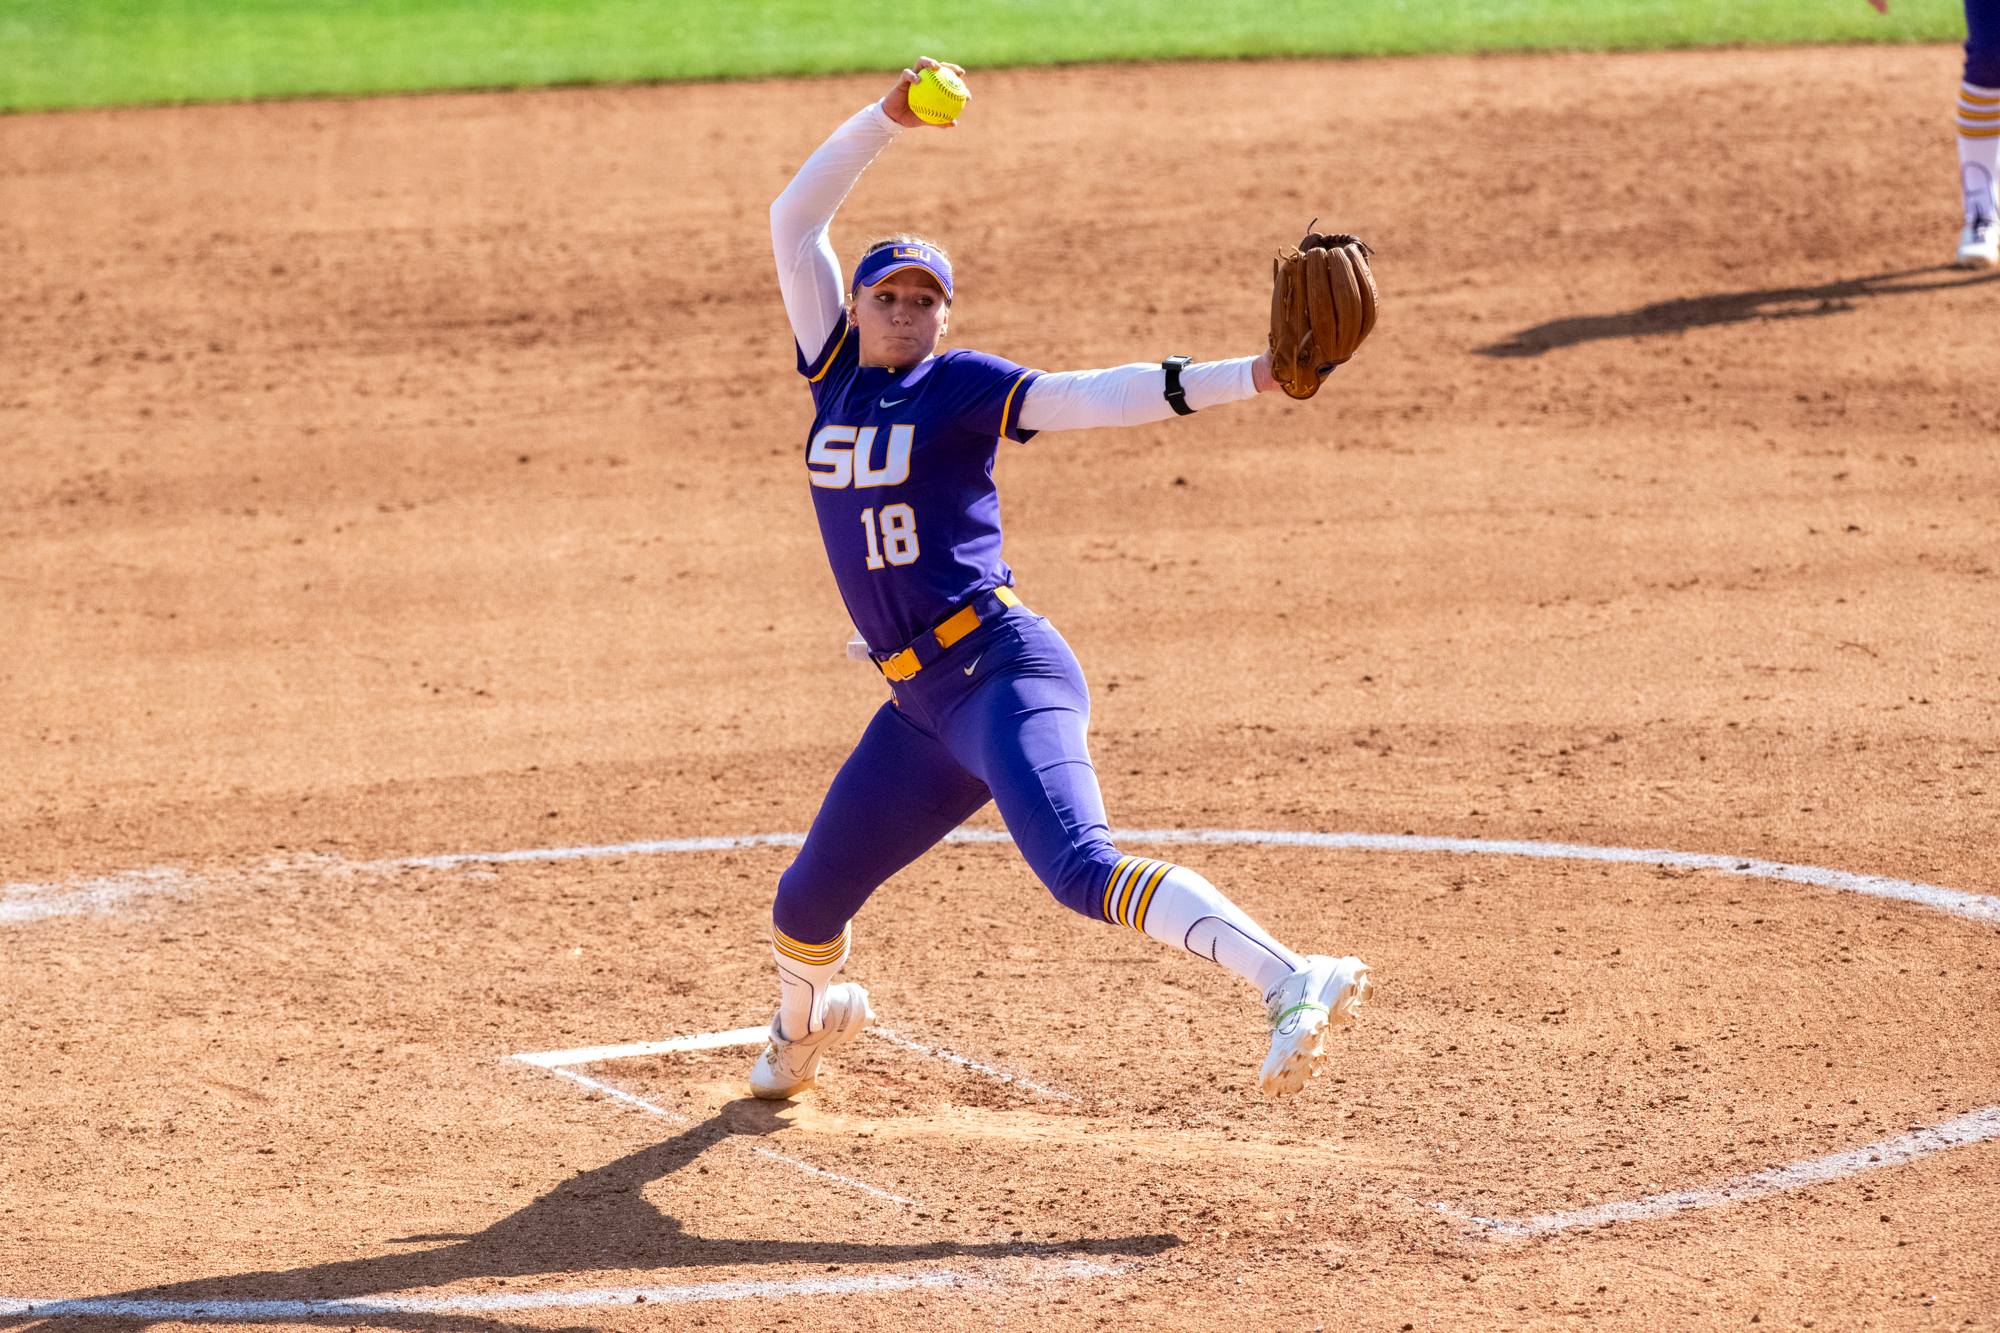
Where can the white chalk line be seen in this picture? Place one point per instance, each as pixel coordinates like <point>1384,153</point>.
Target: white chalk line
<point>1979,907</point>
<point>1071,1270</point>
<point>33,902</point>
<point>937,1054</point>
<point>1972,1127</point>
<point>1976,906</point>
<point>21,903</point>
<point>622,1096</point>
<point>553,1060</point>
<point>704,1041</point>
<point>845,1180</point>
<point>1973,906</point>
<point>29,902</point>
<point>654,848</point>
<point>751,1037</point>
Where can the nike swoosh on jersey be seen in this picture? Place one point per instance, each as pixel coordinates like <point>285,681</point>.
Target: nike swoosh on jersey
<point>889,403</point>
<point>975,662</point>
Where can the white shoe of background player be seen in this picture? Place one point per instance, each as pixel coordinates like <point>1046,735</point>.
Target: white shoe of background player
<point>788,1068</point>
<point>1319,996</point>
<point>1979,243</point>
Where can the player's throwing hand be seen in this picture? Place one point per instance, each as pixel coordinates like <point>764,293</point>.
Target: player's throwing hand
<point>896,102</point>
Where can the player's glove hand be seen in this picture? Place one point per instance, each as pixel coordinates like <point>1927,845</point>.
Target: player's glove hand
<point>1322,305</point>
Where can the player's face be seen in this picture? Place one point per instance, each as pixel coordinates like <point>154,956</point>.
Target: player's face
<point>901,319</point>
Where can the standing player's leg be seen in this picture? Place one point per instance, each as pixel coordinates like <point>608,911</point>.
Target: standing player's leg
<point>1025,731</point>
<point>897,794</point>
<point>1979,136</point>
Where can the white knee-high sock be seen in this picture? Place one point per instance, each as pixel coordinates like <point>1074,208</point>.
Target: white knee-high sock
<point>1978,147</point>
<point>804,973</point>
<point>1178,907</point>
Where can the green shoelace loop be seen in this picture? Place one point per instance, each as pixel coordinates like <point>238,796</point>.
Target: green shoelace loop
<point>1277,1019</point>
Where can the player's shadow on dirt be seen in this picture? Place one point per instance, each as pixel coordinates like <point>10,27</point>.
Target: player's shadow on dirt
<point>1696,312</point>
<point>596,1222</point>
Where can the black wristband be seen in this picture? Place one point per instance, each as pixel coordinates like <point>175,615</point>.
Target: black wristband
<point>1176,395</point>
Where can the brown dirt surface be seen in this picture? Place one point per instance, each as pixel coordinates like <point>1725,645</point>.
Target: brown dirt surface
<point>412,477</point>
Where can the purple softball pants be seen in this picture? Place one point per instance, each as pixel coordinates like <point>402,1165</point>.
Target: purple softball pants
<point>1982,43</point>
<point>1002,715</point>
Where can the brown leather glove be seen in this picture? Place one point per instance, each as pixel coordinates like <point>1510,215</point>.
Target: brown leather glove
<point>1322,305</point>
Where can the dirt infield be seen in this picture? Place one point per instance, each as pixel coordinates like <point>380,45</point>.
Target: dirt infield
<point>420,478</point>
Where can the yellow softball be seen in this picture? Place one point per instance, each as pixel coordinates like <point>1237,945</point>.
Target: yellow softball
<point>938,96</point>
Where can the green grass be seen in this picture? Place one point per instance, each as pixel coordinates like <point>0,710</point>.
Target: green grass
<point>67,53</point>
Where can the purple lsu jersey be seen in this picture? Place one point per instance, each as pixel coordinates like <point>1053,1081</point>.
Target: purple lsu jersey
<point>901,463</point>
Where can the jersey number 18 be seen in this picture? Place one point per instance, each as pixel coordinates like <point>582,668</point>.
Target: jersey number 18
<point>897,544</point>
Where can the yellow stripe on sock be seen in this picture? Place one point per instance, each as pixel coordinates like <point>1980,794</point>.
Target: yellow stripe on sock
<point>1965,94</point>
<point>1966,113</point>
<point>1127,907</point>
<point>1153,881</point>
<point>1115,883</point>
<point>1129,891</point>
<point>1990,132</point>
<point>1123,904</point>
<point>1130,881</point>
<point>812,955</point>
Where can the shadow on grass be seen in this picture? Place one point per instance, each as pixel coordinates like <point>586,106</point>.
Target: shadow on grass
<point>1696,312</point>
<point>597,1222</point>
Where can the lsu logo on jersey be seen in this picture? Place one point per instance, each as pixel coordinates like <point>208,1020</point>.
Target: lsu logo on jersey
<point>843,456</point>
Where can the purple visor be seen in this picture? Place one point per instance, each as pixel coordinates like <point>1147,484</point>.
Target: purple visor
<point>894,258</point>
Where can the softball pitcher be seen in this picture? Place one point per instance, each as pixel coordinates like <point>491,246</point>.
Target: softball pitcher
<point>988,701</point>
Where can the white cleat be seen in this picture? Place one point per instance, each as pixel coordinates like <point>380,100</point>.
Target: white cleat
<point>788,1068</point>
<point>1322,995</point>
<point>1979,243</point>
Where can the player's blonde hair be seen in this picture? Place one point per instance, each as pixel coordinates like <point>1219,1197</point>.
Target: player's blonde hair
<point>904,238</point>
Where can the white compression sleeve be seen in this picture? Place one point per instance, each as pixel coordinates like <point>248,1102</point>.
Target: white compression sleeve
<point>1176,906</point>
<point>1130,395</point>
<point>808,270</point>
<point>805,979</point>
